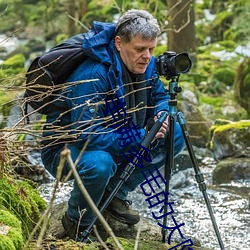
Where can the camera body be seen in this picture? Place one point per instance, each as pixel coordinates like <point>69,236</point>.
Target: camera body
<point>171,65</point>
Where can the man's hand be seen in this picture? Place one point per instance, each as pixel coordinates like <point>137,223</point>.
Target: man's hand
<point>164,128</point>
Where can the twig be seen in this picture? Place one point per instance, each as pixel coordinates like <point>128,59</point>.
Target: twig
<point>99,238</point>
<point>77,21</point>
<point>66,154</point>
<point>137,236</point>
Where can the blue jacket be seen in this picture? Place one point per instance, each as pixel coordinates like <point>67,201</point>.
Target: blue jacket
<point>87,115</point>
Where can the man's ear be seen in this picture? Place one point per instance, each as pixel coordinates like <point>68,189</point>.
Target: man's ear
<point>118,43</point>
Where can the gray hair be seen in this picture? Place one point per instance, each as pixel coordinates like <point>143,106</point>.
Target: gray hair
<point>137,22</point>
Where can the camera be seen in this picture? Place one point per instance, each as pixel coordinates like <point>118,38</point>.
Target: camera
<point>171,65</point>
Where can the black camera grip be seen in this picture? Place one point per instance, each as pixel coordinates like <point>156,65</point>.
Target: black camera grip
<point>153,131</point>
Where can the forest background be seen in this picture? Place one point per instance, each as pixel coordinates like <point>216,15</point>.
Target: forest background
<point>214,33</point>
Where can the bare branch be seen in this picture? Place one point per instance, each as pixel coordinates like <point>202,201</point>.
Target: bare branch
<point>66,154</point>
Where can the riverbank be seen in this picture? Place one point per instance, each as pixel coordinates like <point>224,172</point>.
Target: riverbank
<point>229,202</point>
<point>146,235</point>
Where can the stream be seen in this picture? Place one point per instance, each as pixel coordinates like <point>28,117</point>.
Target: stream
<point>230,203</point>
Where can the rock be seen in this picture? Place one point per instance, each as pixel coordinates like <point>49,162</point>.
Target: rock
<point>231,169</point>
<point>197,125</point>
<point>149,238</point>
<point>232,139</point>
<point>190,96</point>
<point>183,160</point>
<point>181,179</point>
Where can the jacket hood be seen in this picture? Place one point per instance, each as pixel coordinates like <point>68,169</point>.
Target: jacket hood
<point>98,43</point>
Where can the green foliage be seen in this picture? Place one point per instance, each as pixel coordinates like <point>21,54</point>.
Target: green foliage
<point>224,75</point>
<point>219,102</point>
<point>229,23</point>
<point>214,101</point>
<point>216,67</point>
<point>221,23</point>
<point>160,49</point>
<point>60,38</point>
<point>12,67</point>
<point>17,61</point>
<point>242,84</point>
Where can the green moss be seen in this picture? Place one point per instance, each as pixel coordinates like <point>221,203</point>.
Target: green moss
<point>239,128</point>
<point>212,100</point>
<point>16,237</point>
<point>225,75</point>
<point>9,219</point>
<point>235,125</point>
<point>6,243</point>
<point>219,102</point>
<point>16,61</point>
<point>242,84</point>
<point>6,96</point>
<point>13,239</point>
<point>13,71</point>
<point>21,199</point>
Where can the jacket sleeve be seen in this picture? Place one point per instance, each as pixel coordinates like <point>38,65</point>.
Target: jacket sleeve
<point>88,114</point>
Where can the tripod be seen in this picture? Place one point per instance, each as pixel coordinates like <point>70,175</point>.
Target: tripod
<point>169,163</point>
<point>173,90</point>
<point>128,170</point>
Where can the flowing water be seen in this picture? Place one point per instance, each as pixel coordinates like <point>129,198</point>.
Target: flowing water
<point>230,204</point>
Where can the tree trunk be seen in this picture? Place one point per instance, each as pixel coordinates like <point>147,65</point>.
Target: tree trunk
<point>83,7</point>
<point>71,6</point>
<point>181,27</point>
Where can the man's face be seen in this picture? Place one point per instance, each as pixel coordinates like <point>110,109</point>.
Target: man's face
<point>137,53</point>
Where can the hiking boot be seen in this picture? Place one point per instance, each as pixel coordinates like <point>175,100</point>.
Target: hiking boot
<point>121,211</point>
<point>75,231</point>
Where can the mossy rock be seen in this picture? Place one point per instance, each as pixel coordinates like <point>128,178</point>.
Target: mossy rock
<point>225,75</point>
<point>11,237</point>
<point>219,107</point>
<point>22,200</point>
<point>231,139</point>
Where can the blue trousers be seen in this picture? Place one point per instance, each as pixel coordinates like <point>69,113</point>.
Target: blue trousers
<point>99,170</point>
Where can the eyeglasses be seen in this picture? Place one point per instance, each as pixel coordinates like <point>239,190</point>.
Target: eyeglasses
<point>124,24</point>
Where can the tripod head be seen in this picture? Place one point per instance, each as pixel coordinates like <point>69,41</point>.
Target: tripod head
<point>174,89</point>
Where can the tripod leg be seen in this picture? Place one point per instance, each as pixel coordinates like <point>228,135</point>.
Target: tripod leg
<point>199,176</point>
<point>169,163</point>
